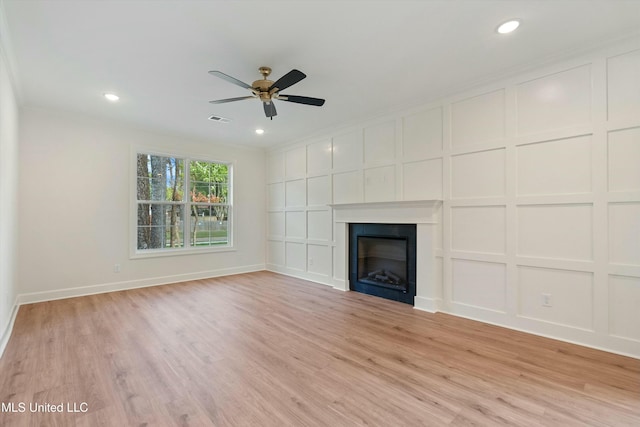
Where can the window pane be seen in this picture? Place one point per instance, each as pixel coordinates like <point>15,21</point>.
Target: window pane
<point>209,225</point>
<point>160,226</point>
<point>209,182</point>
<point>160,178</point>
<point>221,190</point>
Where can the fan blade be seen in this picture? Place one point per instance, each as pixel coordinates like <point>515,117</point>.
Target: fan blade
<point>289,79</point>
<point>224,101</point>
<point>269,109</point>
<point>230,79</point>
<point>302,100</point>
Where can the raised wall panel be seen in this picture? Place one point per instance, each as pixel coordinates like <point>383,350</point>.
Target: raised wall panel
<point>477,120</point>
<point>380,184</point>
<point>318,191</point>
<point>623,85</point>
<point>480,284</point>
<point>296,163</point>
<point>439,276</point>
<point>571,296</point>
<point>556,231</point>
<point>296,255</point>
<point>479,174</point>
<point>624,233</point>
<point>478,229</point>
<point>276,196</point>
<point>276,224</point>
<point>296,226</point>
<point>554,102</point>
<point>624,160</point>
<point>318,260</point>
<point>347,187</point>
<point>338,264</point>
<point>319,157</point>
<point>440,231</point>
<point>422,134</point>
<point>347,151</point>
<point>295,193</point>
<point>275,252</point>
<point>319,225</point>
<point>624,306</point>
<point>555,167</point>
<point>422,180</point>
<point>275,167</point>
<point>379,143</point>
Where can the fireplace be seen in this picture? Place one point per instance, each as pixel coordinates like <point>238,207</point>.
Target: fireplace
<point>382,260</point>
<point>424,215</point>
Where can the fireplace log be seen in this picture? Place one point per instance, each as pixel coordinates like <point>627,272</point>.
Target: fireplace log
<point>373,274</point>
<point>393,277</point>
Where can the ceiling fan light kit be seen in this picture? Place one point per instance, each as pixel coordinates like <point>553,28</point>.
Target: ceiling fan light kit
<point>267,90</point>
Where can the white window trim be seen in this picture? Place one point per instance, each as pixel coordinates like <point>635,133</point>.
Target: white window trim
<point>134,252</point>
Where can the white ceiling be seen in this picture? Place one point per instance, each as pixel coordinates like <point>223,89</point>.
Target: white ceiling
<point>364,57</point>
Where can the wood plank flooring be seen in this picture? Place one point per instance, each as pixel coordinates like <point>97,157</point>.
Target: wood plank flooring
<point>263,349</point>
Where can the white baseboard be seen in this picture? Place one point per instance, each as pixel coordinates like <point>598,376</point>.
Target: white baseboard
<point>340,284</point>
<point>299,274</point>
<point>131,284</point>
<point>6,334</point>
<point>35,297</point>
<point>431,305</point>
<point>609,344</point>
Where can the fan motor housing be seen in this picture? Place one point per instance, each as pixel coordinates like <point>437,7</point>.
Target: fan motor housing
<point>262,85</point>
<point>265,96</point>
<point>261,88</point>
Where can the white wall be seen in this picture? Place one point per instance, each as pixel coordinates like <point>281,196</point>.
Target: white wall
<point>540,181</point>
<point>8,197</point>
<point>74,203</point>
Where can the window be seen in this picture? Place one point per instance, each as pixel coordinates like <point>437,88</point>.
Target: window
<point>182,204</point>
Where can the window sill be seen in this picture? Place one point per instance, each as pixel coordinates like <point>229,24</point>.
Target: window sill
<point>173,252</point>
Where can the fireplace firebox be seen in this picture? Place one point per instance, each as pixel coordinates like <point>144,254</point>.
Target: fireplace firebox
<point>382,260</point>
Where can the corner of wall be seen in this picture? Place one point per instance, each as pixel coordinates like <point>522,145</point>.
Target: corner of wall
<point>8,329</point>
<point>8,191</point>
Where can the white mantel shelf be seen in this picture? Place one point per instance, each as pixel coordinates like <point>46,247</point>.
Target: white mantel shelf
<point>397,212</point>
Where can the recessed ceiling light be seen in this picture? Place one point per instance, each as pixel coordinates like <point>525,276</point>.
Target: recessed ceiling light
<point>259,131</point>
<point>508,26</point>
<point>111,97</point>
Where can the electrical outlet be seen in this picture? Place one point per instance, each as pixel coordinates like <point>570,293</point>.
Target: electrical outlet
<point>310,261</point>
<point>116,268</point>
<point>546,300</point>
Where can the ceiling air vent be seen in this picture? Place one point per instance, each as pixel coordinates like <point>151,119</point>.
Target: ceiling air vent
<point>219,119</point>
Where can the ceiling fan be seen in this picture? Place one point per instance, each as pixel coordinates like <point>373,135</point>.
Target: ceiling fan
<point>266,90</point>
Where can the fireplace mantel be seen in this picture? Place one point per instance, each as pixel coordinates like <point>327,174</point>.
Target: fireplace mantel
<point>397,212</point>
<point>423,213</point>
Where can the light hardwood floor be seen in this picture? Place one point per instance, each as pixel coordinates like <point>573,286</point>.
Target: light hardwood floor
<point>263,349</point>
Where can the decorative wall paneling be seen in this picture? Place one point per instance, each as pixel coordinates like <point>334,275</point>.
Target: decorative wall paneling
<point>539,177</point>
